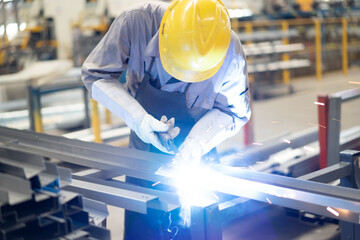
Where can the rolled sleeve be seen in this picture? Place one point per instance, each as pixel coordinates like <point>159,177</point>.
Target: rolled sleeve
<point>234,95</point>
<point>110,57</point>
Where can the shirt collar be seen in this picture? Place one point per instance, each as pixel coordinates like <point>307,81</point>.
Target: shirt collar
<point>152,49</point>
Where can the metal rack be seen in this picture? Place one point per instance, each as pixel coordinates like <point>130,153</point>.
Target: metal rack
<point>33,204</point>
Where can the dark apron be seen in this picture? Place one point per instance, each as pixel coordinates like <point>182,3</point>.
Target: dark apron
<point>155,224</point>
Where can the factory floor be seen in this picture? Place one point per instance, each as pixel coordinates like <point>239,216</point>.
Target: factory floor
<point>274,117</point>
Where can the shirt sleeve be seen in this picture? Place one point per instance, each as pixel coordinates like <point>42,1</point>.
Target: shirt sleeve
<point>234,96</point>
<point>110,57</point>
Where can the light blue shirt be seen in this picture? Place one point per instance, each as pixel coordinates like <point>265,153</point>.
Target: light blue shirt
<point>133,39</point>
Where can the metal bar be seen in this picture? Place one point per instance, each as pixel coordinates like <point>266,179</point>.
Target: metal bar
<point>213,229</point>
<point>333,130</point>
<point>285,57</point>
<point>30,100</point>
<point>19,189</point>
<point>20,164</point>
<point>197,227</point>
<point>37,111</point>
<point>65,176</point>
<point>108,119</point>
<point>348,95</point>
<point>329,174</point>
<point>95,121</point>
<point>50,175</point>
<point>255,154</point>
<point>237,208</point>
<point>97,210</point>
<point>171,198</point>
<point>91,155</point>
<point>133,201</point>
<point>86,109</point>
<point>290,183</point>
<point>347,209</point>
<point>318,49</point>
<point>323,116</point>
<point>345,46</point>
<point>350,230</point>
<point>48,89</point>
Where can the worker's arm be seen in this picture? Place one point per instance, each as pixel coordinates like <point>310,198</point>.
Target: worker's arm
<point>100,73</point>
<point>115,98</point>
<point>231,111</point>
<point>109,58</point>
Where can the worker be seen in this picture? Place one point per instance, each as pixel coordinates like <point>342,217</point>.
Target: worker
<point>185,67</point>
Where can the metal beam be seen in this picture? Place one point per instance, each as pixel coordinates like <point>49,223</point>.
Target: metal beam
<point>283,191</point>
<point>168,201</point>
<point>134,201</point>
<point>329,174</point>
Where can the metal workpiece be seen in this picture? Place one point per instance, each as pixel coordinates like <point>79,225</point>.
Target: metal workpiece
<point>20,164</point>
<point>351,230</point>
<point>237,208</point>
<point>165,201</point>
<point>41,203</point>
<point>348,94</point>
<point>49,175</point>
<point>18,190</point>
<point>253,190</point>
<point>276,181</point>
<point>65,176</point>
<point>57,142</point>
<point>133,201</point>
<point>330,119</point>
<point>346,202</point>
<point>37,207</point>
<point>329,174</point>
<point>170,197</point>
<point>97,210</point>
<point>94,155</point>
<point>256,153</point>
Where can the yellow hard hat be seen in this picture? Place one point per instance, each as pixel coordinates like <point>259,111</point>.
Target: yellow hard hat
<point>194,37</point>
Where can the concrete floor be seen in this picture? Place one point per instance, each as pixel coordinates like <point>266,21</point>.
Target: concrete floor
<point>292,113</point>
<point>274,117</point>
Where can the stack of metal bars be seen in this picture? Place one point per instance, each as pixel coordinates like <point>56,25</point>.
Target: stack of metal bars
<point>33,206</point>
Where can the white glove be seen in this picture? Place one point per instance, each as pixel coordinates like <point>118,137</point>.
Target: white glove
<point>173,131</point>
<point>112,95</point>
<point>146,128</point>
<point>213,128</point>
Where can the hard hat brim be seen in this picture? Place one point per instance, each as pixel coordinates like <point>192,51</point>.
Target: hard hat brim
<point>188,75</point>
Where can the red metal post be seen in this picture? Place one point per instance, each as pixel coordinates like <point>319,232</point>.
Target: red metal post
<point>248,133</point>
<point>323,116</point>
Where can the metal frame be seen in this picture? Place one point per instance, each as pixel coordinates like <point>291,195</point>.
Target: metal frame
<point>329,124</point>
<point>34,101</point>
<point>207,221</point>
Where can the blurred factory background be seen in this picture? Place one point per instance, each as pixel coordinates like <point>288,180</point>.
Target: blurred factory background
<point>304,70</point>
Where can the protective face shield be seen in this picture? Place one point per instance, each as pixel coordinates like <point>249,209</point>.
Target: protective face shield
<point>194,37</point>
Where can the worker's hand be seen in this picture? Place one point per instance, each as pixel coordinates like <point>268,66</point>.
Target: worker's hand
<point>173,131</point>
<point>146,128</point>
